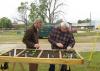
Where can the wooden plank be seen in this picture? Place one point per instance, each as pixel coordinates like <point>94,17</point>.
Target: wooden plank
<point>37,59</point>
<point>48,56</point>
<point>15,52</point>
<point>3,52</point>
<point>20,52</point>
<point>40,54</point>
<point>41,60</point>
<point>60,55</point>
<point>79,54</point>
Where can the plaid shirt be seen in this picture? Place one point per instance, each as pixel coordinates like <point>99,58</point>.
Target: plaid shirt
<point>57,36</point>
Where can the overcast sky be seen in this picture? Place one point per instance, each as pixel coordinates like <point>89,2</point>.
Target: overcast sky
<point>74,10</point>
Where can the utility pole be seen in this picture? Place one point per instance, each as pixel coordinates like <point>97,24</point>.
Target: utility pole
<point>2,27</point>
<point>90,20</point>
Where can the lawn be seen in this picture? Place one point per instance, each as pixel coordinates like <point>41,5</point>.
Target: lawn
<point>16,36</point>
<point>93,66</point>
<point>94,63</point>
<point>11,36</point>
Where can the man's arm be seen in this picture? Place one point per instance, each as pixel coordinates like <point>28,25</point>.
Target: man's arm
<point>26,39</point>
<point>71,41</point>
<point>51,37</point>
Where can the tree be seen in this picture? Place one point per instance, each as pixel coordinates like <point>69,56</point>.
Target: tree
<point>22,9</point>
<point>46,9</point>
<point>52,9</point>
<point>84,21</point>
<point>33,12</point>
<point>5,23</point>
<point>38,10</point>
<point>43,9</point>
<point>80,21</point>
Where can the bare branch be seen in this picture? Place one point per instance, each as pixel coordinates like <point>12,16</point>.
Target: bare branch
<point>49,5</point>
<point>46,15</point>
<point>54,6</point>
<point>58,6</point>
<point>50,2</point>
<point>58,12</point>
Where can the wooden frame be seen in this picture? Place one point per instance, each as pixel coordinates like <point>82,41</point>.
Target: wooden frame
<point>37,59</point>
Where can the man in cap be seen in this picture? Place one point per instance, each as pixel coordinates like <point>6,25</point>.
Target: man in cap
<point>61,37</point>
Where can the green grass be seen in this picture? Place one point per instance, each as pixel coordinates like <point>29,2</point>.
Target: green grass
<point>87,39</point>
<point>87,34</point>
<point>93,66</point>
<point>11,36</point>
<point>16,36</point>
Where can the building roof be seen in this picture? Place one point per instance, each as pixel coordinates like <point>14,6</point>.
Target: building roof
<point>83,24</point>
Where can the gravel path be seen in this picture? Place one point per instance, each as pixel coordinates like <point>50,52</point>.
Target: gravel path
<point>81,47</point>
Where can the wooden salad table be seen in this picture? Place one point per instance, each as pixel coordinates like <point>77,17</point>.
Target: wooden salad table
<point>54,56</point>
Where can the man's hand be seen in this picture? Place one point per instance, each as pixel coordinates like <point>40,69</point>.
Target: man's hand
<point>71,49</point>
<point>60,45</point>
<point>36,46</point>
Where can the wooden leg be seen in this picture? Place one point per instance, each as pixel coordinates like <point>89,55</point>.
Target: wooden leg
<point>59,67</point>
<point>14,64</point>
<point>22,67</point>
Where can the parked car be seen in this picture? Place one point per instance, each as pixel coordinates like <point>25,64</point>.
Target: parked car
<point>45,30</point>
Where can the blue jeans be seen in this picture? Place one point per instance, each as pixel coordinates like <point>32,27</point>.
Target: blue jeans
<point>63,67</point>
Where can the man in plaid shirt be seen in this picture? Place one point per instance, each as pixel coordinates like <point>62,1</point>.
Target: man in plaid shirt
<point>60,38</point>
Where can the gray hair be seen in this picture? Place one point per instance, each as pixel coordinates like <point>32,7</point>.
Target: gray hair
<point>64,25</point>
